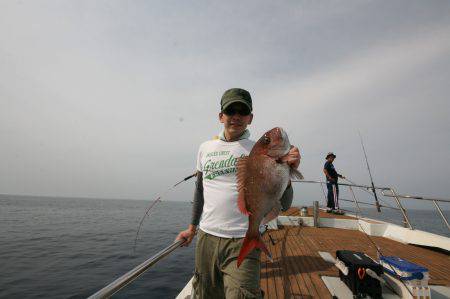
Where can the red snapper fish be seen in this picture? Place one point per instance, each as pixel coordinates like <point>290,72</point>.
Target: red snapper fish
<point>262,178</point>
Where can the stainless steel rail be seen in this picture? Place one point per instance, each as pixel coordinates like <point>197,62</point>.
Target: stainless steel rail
<point>357,203</point>
<point>341,184</point>
<point>442,214</point>
<point>388,192</point>
<point>413,196</point>
<point>434,200</point>
<point>131,275</point>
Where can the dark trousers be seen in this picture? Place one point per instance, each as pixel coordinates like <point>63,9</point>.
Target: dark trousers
<point>333,195</point>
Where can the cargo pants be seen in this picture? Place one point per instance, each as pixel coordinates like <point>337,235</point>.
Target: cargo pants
<point>216,273</point>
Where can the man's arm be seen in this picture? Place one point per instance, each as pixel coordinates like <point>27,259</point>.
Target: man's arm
<point>197,209</point>
<point>197,206</point>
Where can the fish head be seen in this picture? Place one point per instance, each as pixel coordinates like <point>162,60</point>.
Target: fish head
<point>274,143</point>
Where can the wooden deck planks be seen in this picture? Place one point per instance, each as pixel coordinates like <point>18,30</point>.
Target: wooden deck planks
<point>289,283</point>
<point>306,263</point>
<point>297,267</point>
<point>302,286</point>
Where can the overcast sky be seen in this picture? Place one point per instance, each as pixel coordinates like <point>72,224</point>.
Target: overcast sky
<point>111,99</point>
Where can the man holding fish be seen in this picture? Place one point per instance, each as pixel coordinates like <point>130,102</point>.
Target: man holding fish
<point>240,185</point>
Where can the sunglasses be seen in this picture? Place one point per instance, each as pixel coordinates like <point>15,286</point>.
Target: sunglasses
<point>243,111</point>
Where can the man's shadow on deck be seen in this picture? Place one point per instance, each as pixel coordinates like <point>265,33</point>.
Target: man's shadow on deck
<point>292,265</point>
<point>286,265</point>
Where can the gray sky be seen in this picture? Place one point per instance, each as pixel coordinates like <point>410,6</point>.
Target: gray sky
<point>111,99</point>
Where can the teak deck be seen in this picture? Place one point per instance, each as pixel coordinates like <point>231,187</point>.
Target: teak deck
<point>297,267</point>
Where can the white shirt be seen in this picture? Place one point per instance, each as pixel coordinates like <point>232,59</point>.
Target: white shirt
<point>217,161</point>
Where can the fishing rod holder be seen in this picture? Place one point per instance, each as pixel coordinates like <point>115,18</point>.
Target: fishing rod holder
<point>387,192</point>
<point>131,275</point>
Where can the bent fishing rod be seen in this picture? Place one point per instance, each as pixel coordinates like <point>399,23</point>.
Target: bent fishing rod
<point>156,201</point>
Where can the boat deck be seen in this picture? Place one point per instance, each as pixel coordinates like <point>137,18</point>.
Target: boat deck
<point>297,267</point>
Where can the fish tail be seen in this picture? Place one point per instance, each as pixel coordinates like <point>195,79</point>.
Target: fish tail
<point>251,242</point>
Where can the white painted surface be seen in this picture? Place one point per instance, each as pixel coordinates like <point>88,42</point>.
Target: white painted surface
<point>402,290</point>
<point>327,257</point>
<point>186,292</point>
<point>273,224</point>
<point>375,228</point>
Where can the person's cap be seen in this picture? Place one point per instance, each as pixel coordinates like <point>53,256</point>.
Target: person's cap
<point>236,95</point>
<point>330,154</point>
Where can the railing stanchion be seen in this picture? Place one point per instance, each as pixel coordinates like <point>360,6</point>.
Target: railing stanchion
<point>316,213</point>
<point>442,214</point>
<point>405,216</point>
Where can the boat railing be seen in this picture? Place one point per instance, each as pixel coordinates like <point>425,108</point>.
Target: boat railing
<point>131,275</point>
<point>388,192</point>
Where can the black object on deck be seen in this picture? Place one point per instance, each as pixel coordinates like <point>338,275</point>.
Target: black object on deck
<point>357,280</point>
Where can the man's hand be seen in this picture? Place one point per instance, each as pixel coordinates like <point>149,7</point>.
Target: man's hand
<point>293,157</point>
<point>188,234</point>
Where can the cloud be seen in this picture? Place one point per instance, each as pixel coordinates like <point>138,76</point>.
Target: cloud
<point>384,64</point>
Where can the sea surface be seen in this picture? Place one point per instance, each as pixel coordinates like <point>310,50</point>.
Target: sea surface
<point>70,248</point>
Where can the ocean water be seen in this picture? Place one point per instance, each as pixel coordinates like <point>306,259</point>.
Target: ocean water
<point>70,248</point>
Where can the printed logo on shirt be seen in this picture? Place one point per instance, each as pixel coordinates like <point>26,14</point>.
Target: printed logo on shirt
<point>218,167</point>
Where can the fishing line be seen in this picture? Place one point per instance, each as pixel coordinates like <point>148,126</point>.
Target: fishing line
<point>378,249</point>
<point>379,210</point>
<point>156,201</point>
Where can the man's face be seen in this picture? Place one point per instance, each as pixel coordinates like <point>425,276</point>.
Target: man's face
<point>331,159</point>
<point>236,118</point>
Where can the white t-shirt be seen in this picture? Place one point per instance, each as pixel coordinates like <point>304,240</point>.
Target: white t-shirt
<point>217,161</point>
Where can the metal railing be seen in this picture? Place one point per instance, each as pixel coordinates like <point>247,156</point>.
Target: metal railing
<point>434,200</point>
<point>390,193</point>
<point>131,275</point>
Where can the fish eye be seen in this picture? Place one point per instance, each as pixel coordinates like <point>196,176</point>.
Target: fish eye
<point>266,139</point>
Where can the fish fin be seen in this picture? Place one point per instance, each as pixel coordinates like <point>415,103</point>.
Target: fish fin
<point>250,243</point>
<point>241,169</point>
<point>272,214</point>
<point>295,174</point>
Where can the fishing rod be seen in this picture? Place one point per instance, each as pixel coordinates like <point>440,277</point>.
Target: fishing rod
<point>370,175</point>
<point>380,254</point>
<point>157,200</point>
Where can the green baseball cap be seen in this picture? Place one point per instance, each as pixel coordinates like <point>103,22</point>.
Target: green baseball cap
<point>236,95</point>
